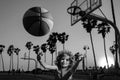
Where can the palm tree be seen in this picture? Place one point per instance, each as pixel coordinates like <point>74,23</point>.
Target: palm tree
<point>36,49</point>
<point>62,37</point>
<point>113,51</point>
<point>86,48</point>
<point>1,50</point>
<point>39,58</point>
<point>44,49</point>
<point>55,39</point>
<point>29,46</point>
<point>52,45</point>
<point>89,24</point>
<point>52,49</point>
<point>103,28</point>
<point>17,50</point>
<point>10,53</point>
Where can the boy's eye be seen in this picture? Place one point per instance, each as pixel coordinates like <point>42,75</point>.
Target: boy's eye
<point>67,59</point>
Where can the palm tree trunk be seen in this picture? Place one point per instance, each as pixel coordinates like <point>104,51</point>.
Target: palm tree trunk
<point>52,59</point>
<point>45,57</point>
<point>2,62</point>
<point>36,62</point>
<point>12,62</point>
<point>28,61</point>
<point>105,53</point>
<point>116,60</point>
<point>83,63</point>
<point>63,46</point>
<point>93,51</point>
<point>86,58</point>
<point>56,52</point>
<point>17,61</point>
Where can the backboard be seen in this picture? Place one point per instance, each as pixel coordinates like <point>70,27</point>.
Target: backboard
<point>87,6</point>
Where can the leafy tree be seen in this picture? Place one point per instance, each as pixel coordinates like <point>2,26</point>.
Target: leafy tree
<point>1,50</point>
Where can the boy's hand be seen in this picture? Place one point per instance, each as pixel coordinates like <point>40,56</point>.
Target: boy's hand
<point>78,56</point>
<point>38,57</point>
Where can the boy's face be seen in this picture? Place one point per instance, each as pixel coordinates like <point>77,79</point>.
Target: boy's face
<point>65,61</point>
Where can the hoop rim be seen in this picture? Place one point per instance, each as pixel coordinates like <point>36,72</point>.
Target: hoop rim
<point>74,10</point>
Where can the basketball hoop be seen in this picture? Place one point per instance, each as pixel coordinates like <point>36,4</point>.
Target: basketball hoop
<point>79,9</point>
<point>74,10</point>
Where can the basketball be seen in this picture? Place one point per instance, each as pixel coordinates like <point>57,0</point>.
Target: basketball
<point>38,21</point>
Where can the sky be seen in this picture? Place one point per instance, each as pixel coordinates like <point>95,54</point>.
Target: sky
<point>13,32</point>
